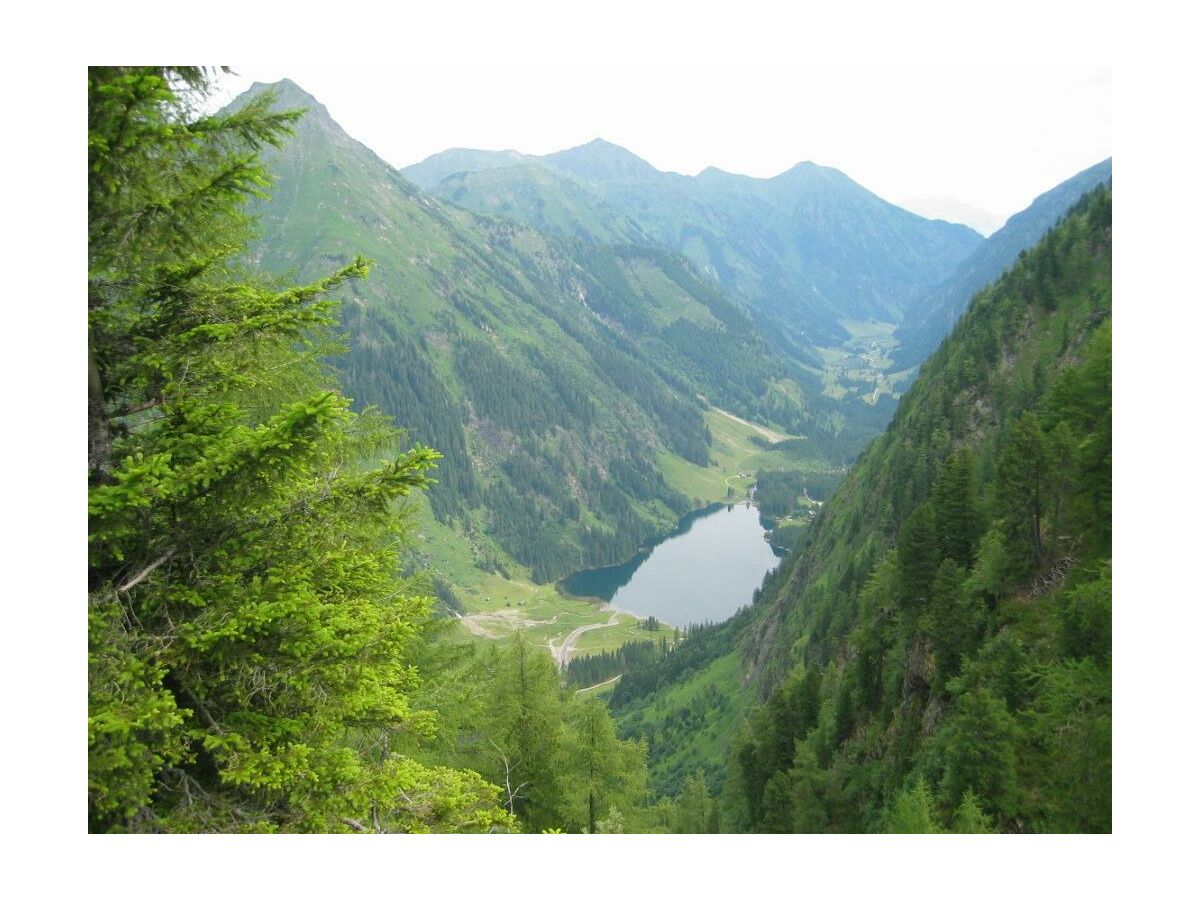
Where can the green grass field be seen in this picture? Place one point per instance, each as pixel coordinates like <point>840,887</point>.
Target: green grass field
<point>735,462</point>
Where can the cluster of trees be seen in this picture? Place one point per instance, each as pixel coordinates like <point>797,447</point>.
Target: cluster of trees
<point>537,491</point>
<point>555,755</point>
<point>725,357</point>
<point>777,493</point>
<point>558,492</point>
<point>953,608</point>
<point>248,631</point>
<point>657,702</point>
<point>583,671</point>
<point>691,650</point>
<point>394,371</point>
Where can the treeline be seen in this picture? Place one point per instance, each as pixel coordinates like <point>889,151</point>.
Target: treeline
<point>951,616</point>
<point>400,381</point>
<point>583,671</point>
<point>551,422</point>
<point>777,493</point>
<point>505,712</point>
<point>727,360</point>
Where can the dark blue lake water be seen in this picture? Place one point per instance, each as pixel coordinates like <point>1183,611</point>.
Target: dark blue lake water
<point>703,572</point>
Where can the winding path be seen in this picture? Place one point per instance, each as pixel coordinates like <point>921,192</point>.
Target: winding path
<point>562,652</point>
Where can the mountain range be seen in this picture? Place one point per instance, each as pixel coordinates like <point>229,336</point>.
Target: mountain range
<point>803,251</point>
<point>557,377</point>
<point>557,325</point>
<point>354,432</point>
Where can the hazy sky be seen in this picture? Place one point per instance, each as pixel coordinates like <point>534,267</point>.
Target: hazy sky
<point>988,138</point>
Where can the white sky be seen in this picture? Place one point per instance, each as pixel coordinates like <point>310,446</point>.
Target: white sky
<point>993,138</point>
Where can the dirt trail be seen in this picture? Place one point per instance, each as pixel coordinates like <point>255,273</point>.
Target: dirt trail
<point>773,436</point>
<point>592,687</point>
<point>562,652</point>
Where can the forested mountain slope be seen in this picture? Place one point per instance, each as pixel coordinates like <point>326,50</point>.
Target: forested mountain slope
<point>941,652</point>
<point>803,250</point>
<point>938,653</point>
<point>551,374</point>
<point>932,317</point>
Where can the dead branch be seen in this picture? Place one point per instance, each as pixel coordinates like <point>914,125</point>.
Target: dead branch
<point>145,573</point>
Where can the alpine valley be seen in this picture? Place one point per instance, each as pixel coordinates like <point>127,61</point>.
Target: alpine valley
<point>301,619</point>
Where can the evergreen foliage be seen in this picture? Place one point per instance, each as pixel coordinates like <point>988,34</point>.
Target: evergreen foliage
<point>557,758</point>
<point>248,628</point>
<point>955,594</point>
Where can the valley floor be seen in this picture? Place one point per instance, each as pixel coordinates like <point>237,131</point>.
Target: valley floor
<point>496,606</point>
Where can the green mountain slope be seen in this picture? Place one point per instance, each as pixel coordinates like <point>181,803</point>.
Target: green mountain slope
<point>535,195</point>
<point>934,315</point>
<point>428,173</point>
<point>938,654</point>
<point>804,250</point>
<point>553,375</point>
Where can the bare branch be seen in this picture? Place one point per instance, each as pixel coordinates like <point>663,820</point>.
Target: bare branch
<point>145,573</point>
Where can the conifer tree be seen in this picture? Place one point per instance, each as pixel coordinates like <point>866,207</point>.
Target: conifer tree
<point>981,753</point>
<point>595,761</point>
<point>247,625</point>
<point>777,800</point>
<point>918,556</point>
<point>912,812</point>
<point>955,511</point>
<point>1021,474</point>
<point>969,818</point>
<point>957,618</point>
<point>809,814</point>
<point>695,808</point>
<point>527,734</point>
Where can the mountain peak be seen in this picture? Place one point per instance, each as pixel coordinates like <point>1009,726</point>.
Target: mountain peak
<point>812,171</point>
<point>290,96</point>
<point>285,89</point>
<point>600,159</point>
<point>713,172</point>
<point>457,160</point>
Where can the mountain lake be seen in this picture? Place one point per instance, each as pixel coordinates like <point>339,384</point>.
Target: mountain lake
<point>704,571</point>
